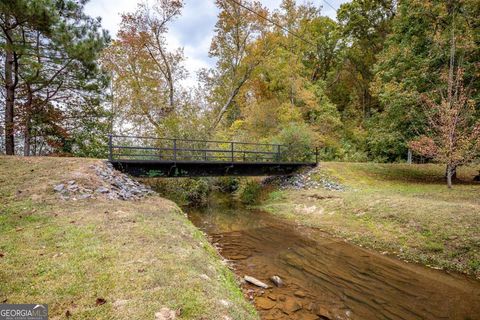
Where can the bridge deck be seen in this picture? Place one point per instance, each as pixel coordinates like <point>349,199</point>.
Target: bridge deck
<point>160,157</point>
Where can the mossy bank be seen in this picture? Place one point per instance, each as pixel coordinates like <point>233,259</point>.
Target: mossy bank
<point>104,259</point>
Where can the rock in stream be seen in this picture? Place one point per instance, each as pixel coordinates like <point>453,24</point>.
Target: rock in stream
<point>256,282</point>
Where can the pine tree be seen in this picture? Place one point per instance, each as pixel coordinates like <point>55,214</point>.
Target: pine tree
<point>51,49</point>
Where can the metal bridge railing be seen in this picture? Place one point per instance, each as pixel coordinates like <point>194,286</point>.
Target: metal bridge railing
<point>167,149</point>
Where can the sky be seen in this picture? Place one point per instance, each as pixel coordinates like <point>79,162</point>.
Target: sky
<point>193,30</point>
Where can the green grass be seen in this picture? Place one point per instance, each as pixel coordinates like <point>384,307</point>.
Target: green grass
<point>139,256</point>
<point>405,210</point>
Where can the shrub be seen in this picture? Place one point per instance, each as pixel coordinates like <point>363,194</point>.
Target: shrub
<point>249,193</point>
<point>227,184</point>
<point>298,140</point>
<point>197,190</point>
<point>182,190</point>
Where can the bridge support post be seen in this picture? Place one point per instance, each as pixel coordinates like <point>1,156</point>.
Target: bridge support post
<point>278,153</point>
<point>231,150</point>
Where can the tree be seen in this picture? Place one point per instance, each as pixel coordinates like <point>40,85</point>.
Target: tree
<point>270,87</point>
<point>454,133</point>
<point>57,81</point>
<point>146,76</point>
<point>236,51</point>
<point>411,65</point>
<point>325,57</point>
<point>365,25</point>
<point>62,72</point>
<point>15,15</point>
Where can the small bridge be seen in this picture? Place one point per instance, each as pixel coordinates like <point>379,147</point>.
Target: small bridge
<point>163,157</point>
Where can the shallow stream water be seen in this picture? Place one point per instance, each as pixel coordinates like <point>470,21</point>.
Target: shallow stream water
<point>327,278</point>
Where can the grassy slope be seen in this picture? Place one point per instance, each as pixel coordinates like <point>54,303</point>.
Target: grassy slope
<point>404,210</point>
<point>138,256</point>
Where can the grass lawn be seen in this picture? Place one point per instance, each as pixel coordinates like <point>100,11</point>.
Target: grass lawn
<point>399,209</point>
<point>104,259</point>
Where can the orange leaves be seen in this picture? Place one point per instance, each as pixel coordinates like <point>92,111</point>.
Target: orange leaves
<point>424,146</point>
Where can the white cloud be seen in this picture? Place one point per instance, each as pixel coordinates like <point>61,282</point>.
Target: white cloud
<point>110,11</point>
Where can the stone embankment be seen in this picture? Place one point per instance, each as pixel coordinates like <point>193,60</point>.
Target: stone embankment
<point>102,181</point>
<point>311,178</point>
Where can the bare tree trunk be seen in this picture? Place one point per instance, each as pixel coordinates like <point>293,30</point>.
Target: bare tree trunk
<point>453,170</point>
<point>27,124</point>
<point>34,145</point>
<point>41,147</point>
<point>449,175</point>
<point>225,107</point>
<point>10,99</point>
<point>230,99</point>
<point>26,136</point>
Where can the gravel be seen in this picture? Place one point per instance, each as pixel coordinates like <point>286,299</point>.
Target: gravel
<point>310,178</point>
<point>110,184</point>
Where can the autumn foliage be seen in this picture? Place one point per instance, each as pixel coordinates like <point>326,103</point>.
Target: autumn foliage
<point>379,78</point>
<point>453,134</point>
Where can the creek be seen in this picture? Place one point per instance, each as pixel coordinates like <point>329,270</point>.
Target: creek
<point>325,277</point>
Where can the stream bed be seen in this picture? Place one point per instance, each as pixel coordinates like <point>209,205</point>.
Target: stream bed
<point>325,277</point>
